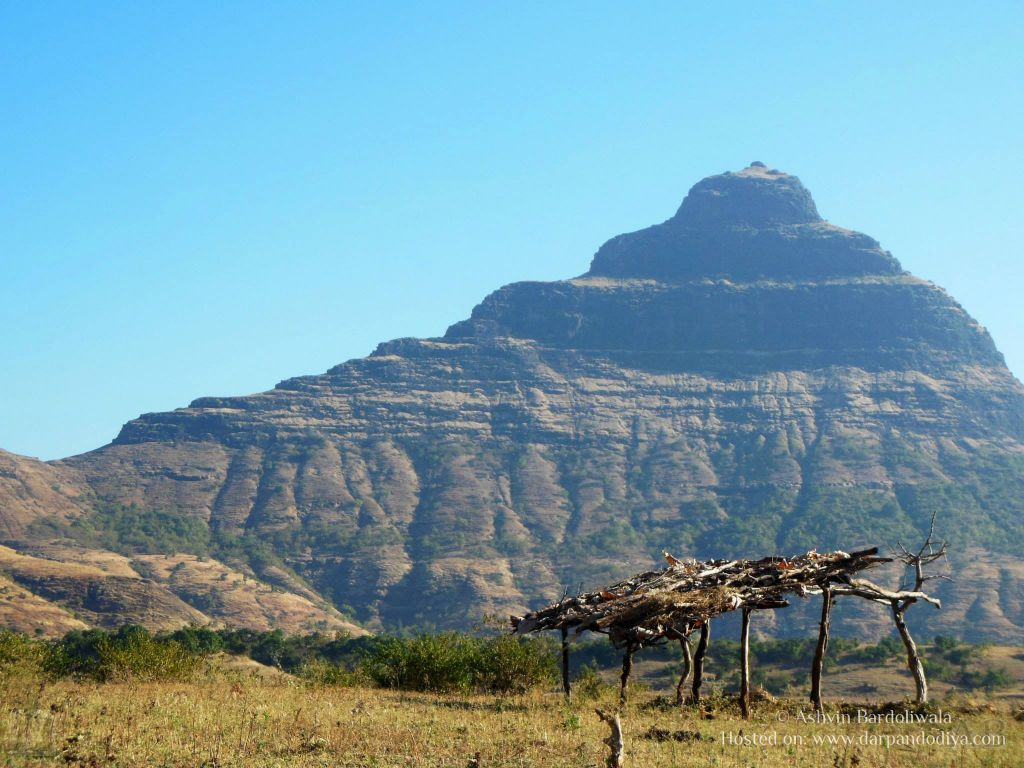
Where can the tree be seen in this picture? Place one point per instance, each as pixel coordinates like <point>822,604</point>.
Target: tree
<point>915,562</point>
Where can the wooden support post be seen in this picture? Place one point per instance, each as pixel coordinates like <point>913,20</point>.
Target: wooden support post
<point>616,743</point>
<point>566,686</point>
<point>822,646</point>
<point>745,665</point>
<point>684,643</point>
<point>627,667</point>
<point>698,661</point>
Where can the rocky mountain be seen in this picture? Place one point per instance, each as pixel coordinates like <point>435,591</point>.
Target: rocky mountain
<point>744,378</point>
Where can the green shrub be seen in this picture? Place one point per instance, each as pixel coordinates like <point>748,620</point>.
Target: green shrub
<point>443,662</point>
<point>320,673</point>
<point>77,654</point>
<point>938,668</point>
<point>198,640</point>
<point>506,664</point>
<point>141,657</point>
<point>886,648</point>
<point>588,684</point>
<point>21,670</point>
<point>787,652</point>
<point>131,653</point>
<point>19,654</point>
<point>451,661</point>
<point>988,679</point>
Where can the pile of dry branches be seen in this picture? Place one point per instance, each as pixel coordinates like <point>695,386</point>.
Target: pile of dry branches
<point>671,603</point>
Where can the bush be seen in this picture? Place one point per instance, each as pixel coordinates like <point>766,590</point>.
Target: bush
<point>786,652</point>
<point>442,663</point>
<point>321,673</point>
<point>450,662</point>
<point>940,669</point>
<point>19,654</point>
<point>131,653</point>
<point>141,657</point>
<point>509,665</point>
<point>445,662</point>
<point>988,679</point>
<point>589,685</point>
<point>21,667</point>
<point>886,648</point>
<point>198,640</point>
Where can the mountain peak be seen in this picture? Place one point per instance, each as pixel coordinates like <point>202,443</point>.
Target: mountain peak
<point>757,223</point>
<point>756,196</point>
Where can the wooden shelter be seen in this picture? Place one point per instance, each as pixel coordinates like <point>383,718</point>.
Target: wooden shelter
<point>670,604</point>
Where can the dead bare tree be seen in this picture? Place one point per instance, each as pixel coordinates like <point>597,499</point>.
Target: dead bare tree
<point>903,597</point>
<point>929,552</point>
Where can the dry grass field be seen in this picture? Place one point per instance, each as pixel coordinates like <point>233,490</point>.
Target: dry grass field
<point>235,717</point>
<point>876,681</point>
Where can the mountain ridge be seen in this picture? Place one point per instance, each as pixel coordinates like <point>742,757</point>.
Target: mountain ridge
<point>741,379</point>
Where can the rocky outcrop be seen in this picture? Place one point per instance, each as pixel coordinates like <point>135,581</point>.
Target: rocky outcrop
<point>744,378</point>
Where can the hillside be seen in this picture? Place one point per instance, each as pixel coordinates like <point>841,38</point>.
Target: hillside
<point>742,379</point>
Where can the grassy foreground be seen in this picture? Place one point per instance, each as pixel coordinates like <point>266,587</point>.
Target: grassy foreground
<point>233,717</point>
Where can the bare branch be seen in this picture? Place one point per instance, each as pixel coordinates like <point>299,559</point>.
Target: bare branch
<point>870,591</point>
<point>928,553</point>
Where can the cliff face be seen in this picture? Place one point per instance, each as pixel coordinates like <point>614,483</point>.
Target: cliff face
<point>743,379</point>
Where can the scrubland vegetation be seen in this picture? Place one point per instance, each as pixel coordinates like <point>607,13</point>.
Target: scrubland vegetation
<point>198,697</point>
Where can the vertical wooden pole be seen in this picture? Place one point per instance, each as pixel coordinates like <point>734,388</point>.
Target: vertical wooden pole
<point>822,646</point>
<point>698,660</point>
<point>566,686</point>
<point>627,667</point>
<point>745,665</point>
<point>684,643</point>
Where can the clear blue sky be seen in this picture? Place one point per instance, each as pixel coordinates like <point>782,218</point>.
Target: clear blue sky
<point>206,198</point>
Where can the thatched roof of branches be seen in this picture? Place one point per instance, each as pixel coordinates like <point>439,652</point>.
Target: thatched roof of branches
<point>673,602</point>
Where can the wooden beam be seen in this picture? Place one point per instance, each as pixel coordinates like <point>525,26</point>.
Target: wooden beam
<point>822,646</point>
<point>745,665</point>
